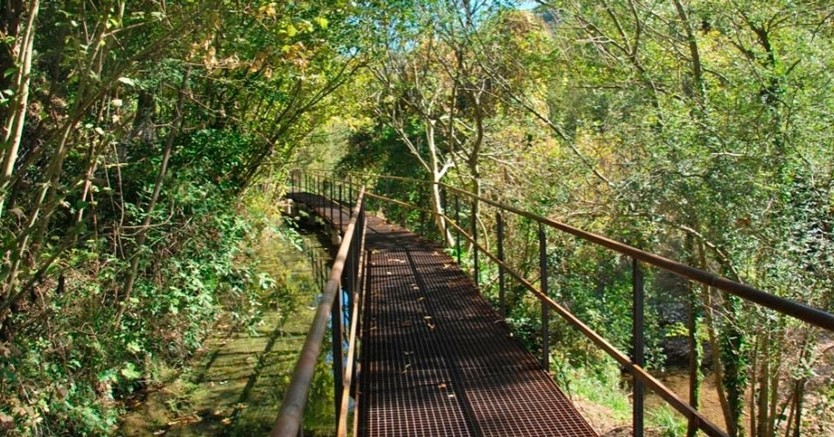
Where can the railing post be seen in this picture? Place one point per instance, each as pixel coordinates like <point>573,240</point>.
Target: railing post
<point>545,308</point>
<point>332,212</point>
<point>350,195</point>
<point>692,332</point>
<point>341,202</point>
<point>338,365</point>
<point>457,222</point>
<point>501,284</point>
<point>475,246</point>
<point>637,345</point>
<point>442,219</point>
<point>423,222</point>
<point>322,274</point>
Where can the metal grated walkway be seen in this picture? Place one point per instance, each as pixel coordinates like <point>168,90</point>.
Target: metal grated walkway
<point>436,360</point>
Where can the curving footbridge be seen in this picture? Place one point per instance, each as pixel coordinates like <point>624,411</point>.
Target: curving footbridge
<point>418,351</point>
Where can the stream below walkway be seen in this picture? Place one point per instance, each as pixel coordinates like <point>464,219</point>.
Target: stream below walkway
<point>237,382</point>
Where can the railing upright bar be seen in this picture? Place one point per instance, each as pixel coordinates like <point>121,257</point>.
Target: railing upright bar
<point>692,334</point>
<point>322,273</point>
<point>637,345</point>
<point>336,340</point>
<point>457,221</point>
<point>475,267</point>
<point>544,289</point>
<point>502,292</point>
<point>341,201</point>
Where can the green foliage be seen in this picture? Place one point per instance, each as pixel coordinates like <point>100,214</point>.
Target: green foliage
<point>667,421</point>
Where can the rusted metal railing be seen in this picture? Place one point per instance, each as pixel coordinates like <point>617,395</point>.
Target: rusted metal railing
<point>639,258</point>
<point>346,275</point>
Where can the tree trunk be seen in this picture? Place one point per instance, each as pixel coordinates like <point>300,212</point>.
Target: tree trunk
<point>13,127</point>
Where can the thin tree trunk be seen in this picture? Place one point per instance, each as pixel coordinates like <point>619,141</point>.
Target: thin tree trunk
<point>14,126</point>
<point>716,350</point>
<point>142,233</point>
<point>437,174</point>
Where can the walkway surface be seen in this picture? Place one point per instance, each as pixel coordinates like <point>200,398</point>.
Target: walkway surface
<point>435,358</point>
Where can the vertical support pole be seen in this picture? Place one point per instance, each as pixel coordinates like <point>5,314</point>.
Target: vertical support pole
<point>476,267</point>
<point>423,222</point>
<point>322,273</point>
<point>545,308</point>
<point>692,320</point>
<point>457,221</point>
<point>445,228</point>
<point>332,212</point>
<point>637,344</point>
<point>502,298</point>
<point>350,196</point>
<point>341,201</point>
<point>338,365</point>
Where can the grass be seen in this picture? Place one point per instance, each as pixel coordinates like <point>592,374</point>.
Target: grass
<point>605,401</point>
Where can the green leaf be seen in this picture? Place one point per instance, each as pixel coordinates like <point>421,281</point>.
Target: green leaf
<point>322,22</point>
<point>291,31</point>
<point>127,81</point>
<point>129,371</point>
<point>134,347</point>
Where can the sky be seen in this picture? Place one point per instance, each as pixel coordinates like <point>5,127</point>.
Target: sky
<point>526,4</point>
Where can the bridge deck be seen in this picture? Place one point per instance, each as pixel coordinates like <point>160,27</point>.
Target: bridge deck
<point>436,359</point>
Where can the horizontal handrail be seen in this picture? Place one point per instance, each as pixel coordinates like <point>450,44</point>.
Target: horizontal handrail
<point>292,407</point>
<point>806,313</point>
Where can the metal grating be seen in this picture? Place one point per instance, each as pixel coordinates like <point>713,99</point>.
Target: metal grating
<point>436,360</point>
